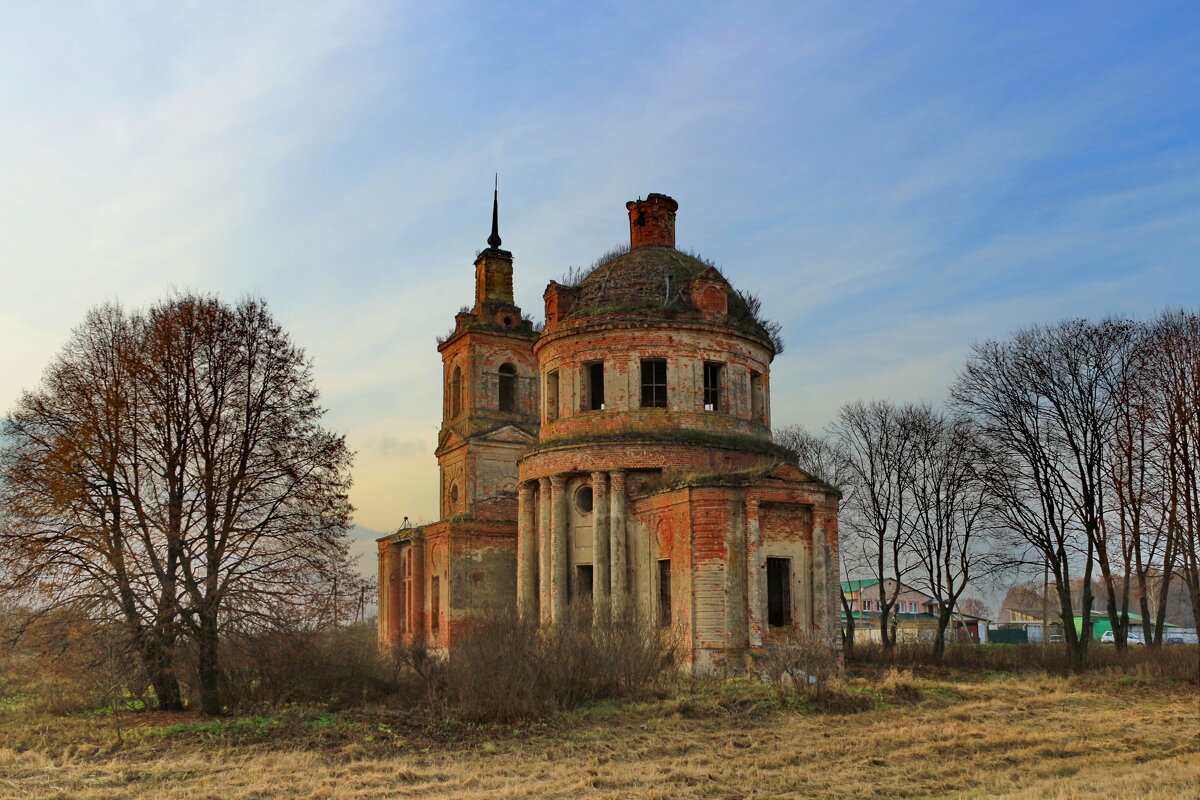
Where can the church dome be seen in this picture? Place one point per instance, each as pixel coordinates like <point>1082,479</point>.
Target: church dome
<point>650,283</point>
<point>640,278</point>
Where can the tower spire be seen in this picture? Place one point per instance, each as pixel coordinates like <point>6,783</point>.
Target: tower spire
<point>494,239</point>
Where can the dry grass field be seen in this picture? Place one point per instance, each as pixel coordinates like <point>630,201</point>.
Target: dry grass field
<point>997,735</point>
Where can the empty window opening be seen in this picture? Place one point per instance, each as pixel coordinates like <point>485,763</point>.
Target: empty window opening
<point>712,386</point>
<point>664,592</point>
<point>508,387</point>
<point>435,604</point>
<point>583,499</point>
<point>654,383</point>
<point>583,580</point>
<point>779,592</point>
<point>456,392</point>
<point>552,396</point>
<point>594,377</point>
<point>757,411</point>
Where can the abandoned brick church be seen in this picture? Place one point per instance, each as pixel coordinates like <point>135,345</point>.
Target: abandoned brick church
<point>621,456</point>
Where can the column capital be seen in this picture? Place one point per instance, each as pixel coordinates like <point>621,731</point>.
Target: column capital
<point>558,482</point>
<point>599,479</point>
<point>525,489</point>
<point>544,484</point>
<point>616,479</point>
<point>752,506</point>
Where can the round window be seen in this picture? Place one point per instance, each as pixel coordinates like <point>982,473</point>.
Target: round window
<point>583,499</point>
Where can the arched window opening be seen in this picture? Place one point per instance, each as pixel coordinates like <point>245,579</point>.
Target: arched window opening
<point>508,387</point>
<point>551,397</point>
<point>456,392</point>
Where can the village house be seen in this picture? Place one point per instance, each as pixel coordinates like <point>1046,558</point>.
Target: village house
<point>621,457</point>
<point>915,612</point>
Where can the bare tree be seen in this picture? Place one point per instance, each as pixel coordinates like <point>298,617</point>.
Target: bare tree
<point>819,456</point>
<point>1045,404</point>
<point>172,470</point>
<point>1136,529</point>
<point>268,484</point>
<point>876,445</point>
<point>71,536</point>
<point>1174,384</point>
<point>951,538</point>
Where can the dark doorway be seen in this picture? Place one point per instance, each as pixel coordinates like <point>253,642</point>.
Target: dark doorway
<point>583,581</point>
<point>664,592</point>
<point>779,592</point>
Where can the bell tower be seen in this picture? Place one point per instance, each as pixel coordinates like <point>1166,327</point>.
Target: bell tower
<point>490,390</point>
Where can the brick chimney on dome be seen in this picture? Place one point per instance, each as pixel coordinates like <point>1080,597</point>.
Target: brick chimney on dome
<point>652,221</point>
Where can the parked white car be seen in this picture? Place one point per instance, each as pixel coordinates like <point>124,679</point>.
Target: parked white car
<point>1132,637</point>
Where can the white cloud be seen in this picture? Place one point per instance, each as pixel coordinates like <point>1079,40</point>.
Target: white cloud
<point>894,190</point>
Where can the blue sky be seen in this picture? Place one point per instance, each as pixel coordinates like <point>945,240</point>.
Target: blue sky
<point>897,180</point>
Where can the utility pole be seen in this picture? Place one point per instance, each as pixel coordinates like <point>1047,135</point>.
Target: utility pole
<point>1045,590</point>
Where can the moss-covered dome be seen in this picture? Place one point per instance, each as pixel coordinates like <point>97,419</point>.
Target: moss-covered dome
<point>641,276</point>
<point>657,282</point>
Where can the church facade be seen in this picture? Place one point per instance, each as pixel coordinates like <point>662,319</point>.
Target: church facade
<point>620,457</point>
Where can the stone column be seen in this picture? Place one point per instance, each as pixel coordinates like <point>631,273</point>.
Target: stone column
<point>601,550</point>
<point>619,554</point>
<point>829,590</point>
<point>543,525</point>
<point>526,552</point>
<point>398,612</point>
<point>820,574</point>
<point>560,565</point>
<point>755,596</point>
<point>640,543</point>
<point>416,597</point>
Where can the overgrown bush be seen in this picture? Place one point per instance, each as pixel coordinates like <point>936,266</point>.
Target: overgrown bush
<point>64,662</point>
<point>800,664</point>
<point>1174,662</point>
<point>335,668</point>
<point>505,669</point>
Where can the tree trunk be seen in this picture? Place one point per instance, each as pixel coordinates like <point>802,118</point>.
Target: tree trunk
<point>1151,632</point>
<point>848,632</point>
<point>208,664</point>
<point>939,642</point>
<point>159,659</point>
<point>1075,643</point>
